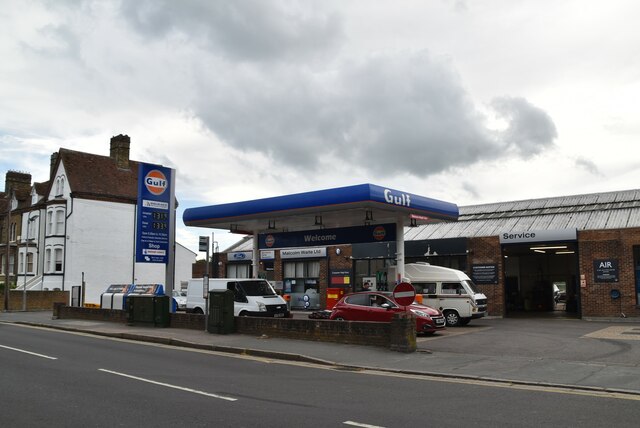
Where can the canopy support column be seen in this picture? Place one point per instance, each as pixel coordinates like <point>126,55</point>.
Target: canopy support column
<point>256,256</point>
<point>399,249</point>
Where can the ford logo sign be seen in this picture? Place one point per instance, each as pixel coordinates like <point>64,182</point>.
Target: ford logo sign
<point>238,256</point>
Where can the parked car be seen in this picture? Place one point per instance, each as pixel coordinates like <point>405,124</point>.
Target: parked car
<point>379,306</point>
<point>180,297</point>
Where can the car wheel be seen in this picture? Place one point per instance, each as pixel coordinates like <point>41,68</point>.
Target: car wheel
<point>464,321</point>
<point>243,314</point>
<point>339,319</point>
<point>197,311</point>
<point>452,317</point>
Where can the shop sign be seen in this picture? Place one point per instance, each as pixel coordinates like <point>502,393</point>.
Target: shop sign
<point>154,216</point>
<point>530,236</point>
<point>337,236</point>
<point>484,274</point>
<point>239,256</point>
<point>605,270</point>
<point>267,254</point>
<point>303,253</point>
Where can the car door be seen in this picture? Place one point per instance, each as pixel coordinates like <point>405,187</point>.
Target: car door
<point>383,310</point>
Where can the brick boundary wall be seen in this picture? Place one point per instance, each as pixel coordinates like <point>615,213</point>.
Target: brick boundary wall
<point>399,335</point>
<point>36,300</point>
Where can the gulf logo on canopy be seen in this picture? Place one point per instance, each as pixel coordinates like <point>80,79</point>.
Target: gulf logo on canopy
<point>156,182</point>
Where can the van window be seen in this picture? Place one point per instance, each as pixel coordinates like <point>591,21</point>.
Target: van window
<point>257,288</point>
<point>425,287</point>
<point>453,288</point>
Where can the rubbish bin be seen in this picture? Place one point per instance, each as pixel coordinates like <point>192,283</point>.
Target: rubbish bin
<point>148,309</point>
<point>221,319</point>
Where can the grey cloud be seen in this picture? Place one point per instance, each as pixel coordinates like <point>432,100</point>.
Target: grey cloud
<point>389,114</point>
<point>529,130</point>
<point>249,30</point>
<point>588,165</point>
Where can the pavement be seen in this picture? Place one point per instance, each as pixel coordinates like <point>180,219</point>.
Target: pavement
<point>601,356</point>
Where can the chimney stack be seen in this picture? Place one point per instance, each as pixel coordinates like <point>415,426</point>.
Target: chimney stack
<point>15,180</point>
<point>52,165</point>
<point>120,150</point>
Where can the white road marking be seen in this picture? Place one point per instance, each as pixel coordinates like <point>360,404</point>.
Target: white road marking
<point>28,352</point>
<point>358,424</point>
<point>181,388</point>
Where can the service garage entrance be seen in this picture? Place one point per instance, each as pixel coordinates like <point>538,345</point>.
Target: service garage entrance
<point>541,273</point>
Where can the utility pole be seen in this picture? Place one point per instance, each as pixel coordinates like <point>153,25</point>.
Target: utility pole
<point>7,251</point>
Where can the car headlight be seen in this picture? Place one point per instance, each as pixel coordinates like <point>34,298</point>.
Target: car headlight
<point>262,307</point>
<point>420,313</point>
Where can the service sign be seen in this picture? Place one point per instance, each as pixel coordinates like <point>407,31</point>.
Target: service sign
<point>605,270</point>
<point>154,216</point>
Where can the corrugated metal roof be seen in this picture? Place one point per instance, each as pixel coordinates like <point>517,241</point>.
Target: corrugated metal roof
<point>610,210</point>
<point>597,211</point>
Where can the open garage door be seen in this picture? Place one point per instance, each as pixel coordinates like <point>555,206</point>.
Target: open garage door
<point>541,278</point>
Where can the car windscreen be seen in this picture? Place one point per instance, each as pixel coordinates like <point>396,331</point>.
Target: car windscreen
<point>257,288</point>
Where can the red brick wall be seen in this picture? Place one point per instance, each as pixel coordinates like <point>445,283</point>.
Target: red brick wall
<point>486,250</point>
<point>36,300</point>
<point>596,300</point>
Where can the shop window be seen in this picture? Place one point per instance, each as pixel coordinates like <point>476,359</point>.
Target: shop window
<point>239,270</point>
<point>301,281</point>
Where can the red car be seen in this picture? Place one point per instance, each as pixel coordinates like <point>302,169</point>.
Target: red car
<point>380,306</point>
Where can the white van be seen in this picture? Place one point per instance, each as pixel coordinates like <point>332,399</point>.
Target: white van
<point>449,290</point>
<point>252,297</point>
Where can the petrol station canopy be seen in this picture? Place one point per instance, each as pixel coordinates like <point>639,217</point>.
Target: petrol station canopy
<point>359,205</point>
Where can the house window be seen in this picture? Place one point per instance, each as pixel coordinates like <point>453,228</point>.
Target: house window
<point>12,232</point>
<point>47,260</point>
<point>30,263</point>
<point>49,222</point>
<point>21,263</point>
<point>1,264</point>
<point>59,222</point>
<point>11,264</point>
<point>58,255</point>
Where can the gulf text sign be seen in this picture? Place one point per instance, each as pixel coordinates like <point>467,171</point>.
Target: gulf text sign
<point>153,216</point>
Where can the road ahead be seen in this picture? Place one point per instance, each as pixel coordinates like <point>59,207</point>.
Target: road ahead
<point>54,378</point>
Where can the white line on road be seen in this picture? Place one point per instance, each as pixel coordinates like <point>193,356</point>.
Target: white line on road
<point>28,352</point>
<point>181,388</point>
<point>358,424</point>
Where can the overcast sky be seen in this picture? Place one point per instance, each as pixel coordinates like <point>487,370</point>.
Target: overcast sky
<point>464,101</point>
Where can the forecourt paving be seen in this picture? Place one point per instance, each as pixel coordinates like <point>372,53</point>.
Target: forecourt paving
<point>567,353</point>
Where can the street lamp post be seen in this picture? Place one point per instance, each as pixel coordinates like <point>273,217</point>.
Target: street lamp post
<point>24,264</point>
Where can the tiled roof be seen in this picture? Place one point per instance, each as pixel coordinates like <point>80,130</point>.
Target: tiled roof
<point>93,176</point>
